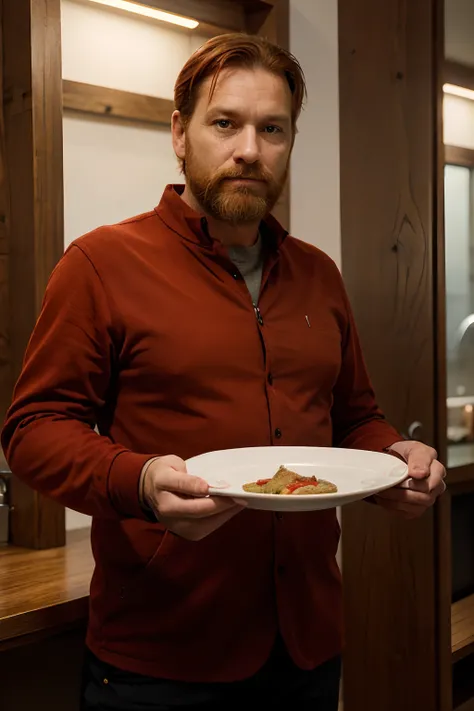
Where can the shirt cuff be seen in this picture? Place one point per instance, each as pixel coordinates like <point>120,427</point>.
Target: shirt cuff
<point>123,483</point>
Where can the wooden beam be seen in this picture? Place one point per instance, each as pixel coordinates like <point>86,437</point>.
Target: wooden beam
<point>458,74</point>
<point>223,14</point>
<point>6,381</point>
<point>395,605</point>
<point>32,98</point>
<point>102,101</point>
<point>456,155</point>
<point>272,20</point>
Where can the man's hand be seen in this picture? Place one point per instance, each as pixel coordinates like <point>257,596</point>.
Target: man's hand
<point>181,501</point>
<point>425,483</point>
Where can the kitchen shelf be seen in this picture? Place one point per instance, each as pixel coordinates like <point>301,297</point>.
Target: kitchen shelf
<point>462,628</point>
<point>463,474</point>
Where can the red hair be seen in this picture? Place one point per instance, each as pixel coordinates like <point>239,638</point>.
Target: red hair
<point>237,50</point>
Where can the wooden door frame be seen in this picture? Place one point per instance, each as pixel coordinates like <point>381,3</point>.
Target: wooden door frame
<point>33,224</point>
<point>31,181</point>
<point>397,582</point>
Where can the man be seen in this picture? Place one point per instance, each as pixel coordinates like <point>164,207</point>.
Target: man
<point>200,326</point>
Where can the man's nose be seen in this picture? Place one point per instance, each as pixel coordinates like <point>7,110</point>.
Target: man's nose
<point>247,149</point>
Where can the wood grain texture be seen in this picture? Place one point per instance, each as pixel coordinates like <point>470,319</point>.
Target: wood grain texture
<point>32,91</point>
<point>389,191</point>
<point>462,631</point>
<point>273,23</point>
<point>456,155</point>
<point>6,379</point>
<point>442,552</point>
<point>42,591</point>
<point>102,101</point>
<point>222,14</point>
<point>6,383</point>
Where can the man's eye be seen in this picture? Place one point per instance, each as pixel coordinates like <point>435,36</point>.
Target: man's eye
<point>272,129</point>
<point>223,123</point>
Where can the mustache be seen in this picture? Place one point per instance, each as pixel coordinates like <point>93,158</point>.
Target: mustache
<point>248,174</point>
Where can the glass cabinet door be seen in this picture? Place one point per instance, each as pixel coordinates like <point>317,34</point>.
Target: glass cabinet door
<point>458,129</point>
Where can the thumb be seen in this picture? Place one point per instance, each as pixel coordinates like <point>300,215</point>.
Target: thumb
<point>419,460</point>
<point>172,475</point>
<point>174,462</point>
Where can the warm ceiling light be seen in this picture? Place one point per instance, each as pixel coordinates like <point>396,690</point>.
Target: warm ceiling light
<point>459,91</point>
<point>147,11</point>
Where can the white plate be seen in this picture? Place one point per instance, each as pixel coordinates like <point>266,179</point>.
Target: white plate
<point>356,473</point>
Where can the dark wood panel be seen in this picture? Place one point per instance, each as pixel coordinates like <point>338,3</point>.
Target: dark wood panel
<point>5,363</point>
<point>33,151</point>
<point>461,477</point>
<point>458,74</point>
<point>44,676</point>
<point>442,553</point>
<point>389,193</point>
<point>44,590</point>
<point>103,101</point>
<point>6,379</point>
<point>455,155</point>
<point>273,22</point>
<point>463,684</point>
<point>225,14</point>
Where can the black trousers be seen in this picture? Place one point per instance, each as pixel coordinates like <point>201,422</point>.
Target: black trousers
<point>278,685</point>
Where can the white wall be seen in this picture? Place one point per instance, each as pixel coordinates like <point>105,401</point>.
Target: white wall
<point>113,170</point>
<point>315,204</point>
<point>458,117</point>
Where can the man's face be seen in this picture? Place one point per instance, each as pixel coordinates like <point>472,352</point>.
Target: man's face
<point>237,146</point>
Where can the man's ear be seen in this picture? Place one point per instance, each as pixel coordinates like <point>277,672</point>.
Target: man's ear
<point>178,135</point>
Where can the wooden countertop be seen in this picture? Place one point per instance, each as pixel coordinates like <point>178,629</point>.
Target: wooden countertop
<point>462,628</point>
<point>43,591</point>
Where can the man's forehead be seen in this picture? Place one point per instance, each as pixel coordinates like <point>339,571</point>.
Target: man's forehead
<point>232,82</point>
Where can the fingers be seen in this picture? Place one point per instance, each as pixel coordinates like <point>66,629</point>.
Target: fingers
<point>438,472</point>
<point>408,510</point>
<point>197,530</point>
<point>401,497</point>
<point>181,483</point>
<point>170,474</point>
<point>420,460</point>
<point>170,505</point>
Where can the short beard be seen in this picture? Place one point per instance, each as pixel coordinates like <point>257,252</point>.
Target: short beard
<point>235,204</point>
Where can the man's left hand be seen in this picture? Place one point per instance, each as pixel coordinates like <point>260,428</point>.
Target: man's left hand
<point>424,485</point>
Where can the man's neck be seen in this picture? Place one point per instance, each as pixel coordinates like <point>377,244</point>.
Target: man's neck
<point>228,234</point>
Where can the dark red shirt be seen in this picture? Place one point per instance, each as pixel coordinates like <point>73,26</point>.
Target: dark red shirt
<point>147,332</point>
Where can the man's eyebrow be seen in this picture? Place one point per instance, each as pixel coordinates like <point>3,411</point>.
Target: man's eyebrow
<point>233,113</point>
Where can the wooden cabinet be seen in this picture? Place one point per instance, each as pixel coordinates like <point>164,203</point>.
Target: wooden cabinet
<point>409,586</point>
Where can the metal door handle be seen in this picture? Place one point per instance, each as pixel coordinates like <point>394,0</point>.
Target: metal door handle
<point>415,431</point>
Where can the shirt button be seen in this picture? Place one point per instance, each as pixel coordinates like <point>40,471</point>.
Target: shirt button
<point>279,515</point>
<point>235,275</point>
<point>270,379</point>
<point>278,433</point>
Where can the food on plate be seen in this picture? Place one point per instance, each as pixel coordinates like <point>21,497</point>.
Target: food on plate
<point>288,483</point>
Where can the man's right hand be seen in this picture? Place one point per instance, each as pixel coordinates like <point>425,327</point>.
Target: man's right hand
<point>182,502</point>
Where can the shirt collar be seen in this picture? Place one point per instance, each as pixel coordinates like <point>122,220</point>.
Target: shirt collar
<point>192,225</point>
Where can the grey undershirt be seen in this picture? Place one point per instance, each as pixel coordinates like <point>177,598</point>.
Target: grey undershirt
<point>249,262</point>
